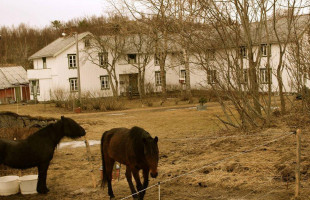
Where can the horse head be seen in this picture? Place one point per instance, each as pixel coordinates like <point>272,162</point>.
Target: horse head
<point>72,129</point>
<point>151,154</point>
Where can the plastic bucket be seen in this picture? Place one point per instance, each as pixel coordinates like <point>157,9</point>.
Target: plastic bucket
<point>28,184</point>
<point>9,185</point>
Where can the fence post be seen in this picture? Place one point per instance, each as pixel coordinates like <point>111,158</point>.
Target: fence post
<point>158,190</point>
<point>90,159</point>
<point>297,172</point>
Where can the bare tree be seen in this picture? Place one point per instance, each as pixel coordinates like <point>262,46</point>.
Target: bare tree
<point>140,41</point>
<point>106,50</point>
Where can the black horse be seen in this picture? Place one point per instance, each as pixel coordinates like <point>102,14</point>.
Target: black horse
<point>38,149</point>
<point>134,148</point>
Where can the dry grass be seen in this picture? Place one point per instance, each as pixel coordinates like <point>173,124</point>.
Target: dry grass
<point>188,140</point>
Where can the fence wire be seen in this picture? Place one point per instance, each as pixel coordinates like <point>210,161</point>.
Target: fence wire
<point>213,163</point>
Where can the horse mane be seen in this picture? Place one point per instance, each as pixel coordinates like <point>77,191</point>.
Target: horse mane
<point>43,131</point>
<point>136,133</point>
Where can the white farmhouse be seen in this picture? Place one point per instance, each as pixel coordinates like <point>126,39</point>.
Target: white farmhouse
<point>55,67</point>
<point>55,70</point>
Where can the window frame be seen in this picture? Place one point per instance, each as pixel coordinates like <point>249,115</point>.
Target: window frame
<point>211,76</point>
<point>32,86</point>
<point>245,76</point>
<point>182,76</point>
<point>265,50</point>
<point>76,87</point>
<point>72,57</point>
<point>244,51</point>
<point>263,76</point>
<point>158,81</point>
<point>103,58</point>
<point>106,85</point>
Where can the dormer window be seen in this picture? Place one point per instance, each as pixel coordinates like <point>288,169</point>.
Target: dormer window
<point>132,58</point>
<point>86,43</point>
<point>44,62</point>
<point>156,60</point>
<point>210,54</point>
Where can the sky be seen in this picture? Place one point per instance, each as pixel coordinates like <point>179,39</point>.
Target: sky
<point>40,13</point>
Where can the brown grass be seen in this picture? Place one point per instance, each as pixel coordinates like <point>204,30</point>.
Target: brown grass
<point>188,140</point>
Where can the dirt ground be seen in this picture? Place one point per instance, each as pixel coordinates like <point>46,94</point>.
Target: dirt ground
<point>199,159</point>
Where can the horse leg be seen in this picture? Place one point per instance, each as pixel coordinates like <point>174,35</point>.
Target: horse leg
<point>42,171</point>
<point>145,180</point>
<point>136,176</point>
<point>129,180</point>
<point>109,169</point>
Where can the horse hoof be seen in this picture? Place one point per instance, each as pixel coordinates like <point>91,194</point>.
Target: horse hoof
<point>112,198</point>
<point>43,191</point>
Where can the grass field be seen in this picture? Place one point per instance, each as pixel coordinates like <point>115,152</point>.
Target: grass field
<point>199,159</point>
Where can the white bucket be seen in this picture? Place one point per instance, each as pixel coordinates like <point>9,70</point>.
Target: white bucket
<point>28,184</point>
<point>9,185</point>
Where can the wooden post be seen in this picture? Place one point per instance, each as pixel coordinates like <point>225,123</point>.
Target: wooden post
<point>90,162</point>
<point>298,155</point>
<point>158,190</point>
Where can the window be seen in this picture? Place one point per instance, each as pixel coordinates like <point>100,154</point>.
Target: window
<point>157,78</point>
<point>210,54</point>
<point>182,76</point>
<point>72,60</point>
<point>243,51</point>
<point>211,76</point>
<point>73,84</point>
<point>44,62</point>
<point>35,87</point>
<point>104,81</point>
<point>265,49</point>
<point>156,60</point>
<point>263,75</point>
<point>103,59</point>
<point>132,58</point>
<point>245,76</point>
<point>86,43</point>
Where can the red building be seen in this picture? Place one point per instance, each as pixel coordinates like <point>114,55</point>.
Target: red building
<point>14,85</point>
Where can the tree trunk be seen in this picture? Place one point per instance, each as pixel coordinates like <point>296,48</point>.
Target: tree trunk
<point>187,72</point>
<point>163,80</point>
<point>280,82</point>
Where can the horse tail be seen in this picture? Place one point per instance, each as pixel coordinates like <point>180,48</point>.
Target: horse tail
<point>104,171</point>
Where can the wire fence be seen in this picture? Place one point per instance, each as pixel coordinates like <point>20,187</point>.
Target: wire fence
<point>238,154</point>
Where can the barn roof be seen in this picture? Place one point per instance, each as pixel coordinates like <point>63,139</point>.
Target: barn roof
<point>12,76</point>
<point>58,46</point>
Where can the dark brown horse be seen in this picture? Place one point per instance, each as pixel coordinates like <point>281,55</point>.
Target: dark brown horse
<point>38,149</point>
<point>134,148</point>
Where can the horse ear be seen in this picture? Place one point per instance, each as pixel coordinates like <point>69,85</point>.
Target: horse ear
<point>62,117</point>
<point>156,139</point>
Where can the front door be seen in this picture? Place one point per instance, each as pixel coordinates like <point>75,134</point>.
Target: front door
<point>133,84</point>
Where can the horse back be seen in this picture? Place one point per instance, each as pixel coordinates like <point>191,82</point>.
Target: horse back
<point>123,145</point>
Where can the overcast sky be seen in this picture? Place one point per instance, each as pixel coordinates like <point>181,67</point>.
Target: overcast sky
<point>40,13</point>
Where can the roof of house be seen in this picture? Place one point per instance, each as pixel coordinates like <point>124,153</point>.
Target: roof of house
<point>57,46</point>
<point>12,76</point>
